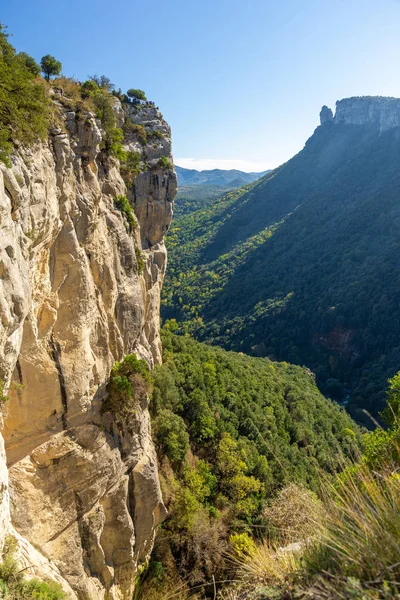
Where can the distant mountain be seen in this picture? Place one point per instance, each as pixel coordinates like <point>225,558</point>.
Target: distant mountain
<point>217,177</point>
<point>303,264</point>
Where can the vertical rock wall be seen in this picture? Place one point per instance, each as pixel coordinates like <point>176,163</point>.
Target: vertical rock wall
<point>80,490</point>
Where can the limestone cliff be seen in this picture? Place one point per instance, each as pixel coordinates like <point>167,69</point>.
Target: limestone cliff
<point>81,490</point>
<point>377,110</point>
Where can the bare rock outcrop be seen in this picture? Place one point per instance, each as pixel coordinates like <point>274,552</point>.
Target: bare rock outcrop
<point>379,111</point>
<point>78,291</point>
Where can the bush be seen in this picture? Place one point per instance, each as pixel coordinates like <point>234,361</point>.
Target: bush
<point>122,204</point>
<point>14,586</point>
<point>30,63</point>
<point>112,143</point>
<point>137,130</point>
<point>88,88</point>
<point>139,259</point>
<point>164,163</point>
<point>102,82</point>
<point>24,104</point>
<point>130,383</point>
<point>131,167</point>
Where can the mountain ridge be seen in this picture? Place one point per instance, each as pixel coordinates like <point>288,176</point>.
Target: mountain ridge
<point>220,177</point>
<point>272,259</point>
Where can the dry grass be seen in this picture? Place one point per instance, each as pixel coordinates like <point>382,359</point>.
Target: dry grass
<point>363,523</point>
<point>295,514</point>
<point>268,565</point>
<point>356,554</point>
<point>71,94</point>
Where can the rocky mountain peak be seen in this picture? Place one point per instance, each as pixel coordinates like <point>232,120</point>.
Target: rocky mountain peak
<point>383,112</point>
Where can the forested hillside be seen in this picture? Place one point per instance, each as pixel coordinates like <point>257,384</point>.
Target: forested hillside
<point>230,431</point>
<point>303,265</point>
<point>220,177</point>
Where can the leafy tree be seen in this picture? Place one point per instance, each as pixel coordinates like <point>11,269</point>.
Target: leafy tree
<point>88,88</point>
<point>50,66</point>
<point>30,63</point>
<point>171,436</point>
<point>24,106</point>
<point>102,82</point>
<point>136,94</point>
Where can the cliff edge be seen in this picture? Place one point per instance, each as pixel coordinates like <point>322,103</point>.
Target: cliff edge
<point>80,289</point>
<point>383,112</point>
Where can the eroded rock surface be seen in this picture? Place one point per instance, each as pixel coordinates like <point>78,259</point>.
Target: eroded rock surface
<point>382,112</point>
<point>78,291</point>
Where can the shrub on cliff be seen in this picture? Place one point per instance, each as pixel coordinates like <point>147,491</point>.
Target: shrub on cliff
<point>123,205</point>
<point>13,584</point>
<point>136,94</point>
<point>130,382</point>
<point>165,163</point>
<point>24,105</point>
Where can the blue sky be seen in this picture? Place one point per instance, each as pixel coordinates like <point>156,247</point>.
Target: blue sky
<point>240,82</point>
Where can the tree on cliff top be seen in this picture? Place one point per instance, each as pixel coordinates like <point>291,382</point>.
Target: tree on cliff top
<point>24,107</point>
<point>50,66</point>
<point>136,94</point>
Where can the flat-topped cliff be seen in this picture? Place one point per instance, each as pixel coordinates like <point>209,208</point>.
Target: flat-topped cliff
<point>384,112</point>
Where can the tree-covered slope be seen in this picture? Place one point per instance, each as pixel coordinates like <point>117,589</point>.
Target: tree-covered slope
<point>230,431</point>
<point>303,265</point>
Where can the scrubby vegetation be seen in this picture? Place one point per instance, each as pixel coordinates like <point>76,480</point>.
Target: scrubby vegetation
<point>122,204</point>
<point>165,163</point>
<point>231,431</point>
<point>26,110</point>
<point>236,535</point>
<point>24,104</point>
<point>130,382</point>
<point>15,586</point>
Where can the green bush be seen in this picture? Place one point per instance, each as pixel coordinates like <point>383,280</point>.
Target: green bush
<point>131,166</point>
<point>24,104</point>
<point>112,142</point>
<point>164,163</point>
<point>14,586</point>
<point>140,261</point>
<point>88,88</point>
<point>122,204</point>
<point>130,383</point>
<point>137,130</point>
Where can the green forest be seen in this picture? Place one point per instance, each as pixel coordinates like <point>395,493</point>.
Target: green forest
<point>252,457</point>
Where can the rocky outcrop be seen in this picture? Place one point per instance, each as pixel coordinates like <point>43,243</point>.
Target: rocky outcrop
<point>78,291</point>
<point>382,112</point>
<point>325,115</point>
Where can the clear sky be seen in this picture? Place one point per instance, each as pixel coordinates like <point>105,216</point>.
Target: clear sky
<point>241,82</point>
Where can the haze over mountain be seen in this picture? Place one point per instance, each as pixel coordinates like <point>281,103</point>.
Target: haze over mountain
<point>219,177</point>
<point>303,265</point>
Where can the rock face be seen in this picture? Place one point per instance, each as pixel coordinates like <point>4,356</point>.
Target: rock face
<point>78,291</point>
<point>380,111</point>
<point>325,115</point>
